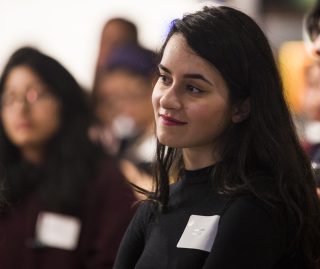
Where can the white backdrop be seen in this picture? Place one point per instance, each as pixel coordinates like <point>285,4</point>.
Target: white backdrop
<point>69,30</point>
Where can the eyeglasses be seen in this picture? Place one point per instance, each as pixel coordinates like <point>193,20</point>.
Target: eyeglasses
<point>35,94</point>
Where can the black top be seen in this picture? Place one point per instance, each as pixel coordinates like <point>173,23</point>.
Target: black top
<point>246,233</point>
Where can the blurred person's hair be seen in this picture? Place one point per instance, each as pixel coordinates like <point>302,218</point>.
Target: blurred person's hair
<point>130,58</point>
<point>70,159</point>
<point>133,59</point>
<point>132,31</point>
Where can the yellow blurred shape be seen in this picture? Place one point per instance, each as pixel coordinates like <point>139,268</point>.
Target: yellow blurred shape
<point>293,63</point>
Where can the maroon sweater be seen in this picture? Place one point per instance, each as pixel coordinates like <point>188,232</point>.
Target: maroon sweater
<point>107,212</point>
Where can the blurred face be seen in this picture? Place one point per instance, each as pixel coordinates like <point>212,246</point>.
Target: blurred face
<point>311,98</point>
<point>29,112</point>
<point>190,99</point>
<point>122,94</point>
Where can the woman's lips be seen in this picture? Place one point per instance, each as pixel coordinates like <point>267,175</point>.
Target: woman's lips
<point>23,125</point>
<point>166,120</point>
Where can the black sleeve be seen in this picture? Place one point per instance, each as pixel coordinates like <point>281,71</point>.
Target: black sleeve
<point>132,243</point>
<point>248,237</point>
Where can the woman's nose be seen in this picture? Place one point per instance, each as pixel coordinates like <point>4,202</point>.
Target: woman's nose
<point>170,99</point>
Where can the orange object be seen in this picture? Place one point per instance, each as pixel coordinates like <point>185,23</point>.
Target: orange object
<point>293,62</point>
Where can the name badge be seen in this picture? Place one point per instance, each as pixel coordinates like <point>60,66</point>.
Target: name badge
<point>57,230</point>
<point>200,232</point>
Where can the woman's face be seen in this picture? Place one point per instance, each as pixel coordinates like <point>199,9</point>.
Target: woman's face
<point>122,94</point>
<point>190,99</point>
<point>30,113</point>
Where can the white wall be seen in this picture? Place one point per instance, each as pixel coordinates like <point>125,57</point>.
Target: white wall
<point>69,30</point>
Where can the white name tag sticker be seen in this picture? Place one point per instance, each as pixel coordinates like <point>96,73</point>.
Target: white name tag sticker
<point>57,230</point>
<point>200,232</point>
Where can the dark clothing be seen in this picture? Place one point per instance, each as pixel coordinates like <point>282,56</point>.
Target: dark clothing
<point>107,212</point>
<point>313,151</point>
<point>250,234</point>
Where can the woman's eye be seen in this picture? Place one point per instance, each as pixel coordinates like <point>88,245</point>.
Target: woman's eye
<point>192,89</point>
<point>7,99</point>
<point>164,79</point>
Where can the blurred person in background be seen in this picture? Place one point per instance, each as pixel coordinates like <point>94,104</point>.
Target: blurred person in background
<point>311,111</point>
<point>122,104</point>
<point>116,32</point>
<point>69,203</point>
<point>311,97</point>
<point>311,116</point>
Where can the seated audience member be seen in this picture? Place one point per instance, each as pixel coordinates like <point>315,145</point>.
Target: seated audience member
<point>69,203</point>
<point>311,98</point>
<point>311,117</point>
<point>122,104</point>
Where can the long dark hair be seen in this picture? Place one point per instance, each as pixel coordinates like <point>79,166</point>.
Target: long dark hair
<point>266,142</point>
<point>70,157</point>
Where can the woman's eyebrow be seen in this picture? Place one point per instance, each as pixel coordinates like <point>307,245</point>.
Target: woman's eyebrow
<point>165,69</point>
<point>191,75</point>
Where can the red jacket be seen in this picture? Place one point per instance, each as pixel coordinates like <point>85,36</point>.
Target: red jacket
<point>107,212</point>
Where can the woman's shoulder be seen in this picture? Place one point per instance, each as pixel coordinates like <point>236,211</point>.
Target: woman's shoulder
<point>248,203</point>
<point>260,193</point>
<point>268,214</point>
<point>145,213</point>
<point>147,208</point>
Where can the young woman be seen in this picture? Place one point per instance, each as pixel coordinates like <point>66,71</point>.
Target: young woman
<point>246,197</point>
<point>69,204</point>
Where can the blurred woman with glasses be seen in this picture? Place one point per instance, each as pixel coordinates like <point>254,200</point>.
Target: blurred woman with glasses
<point>69,204</point>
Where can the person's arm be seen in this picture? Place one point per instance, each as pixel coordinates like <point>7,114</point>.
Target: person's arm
<point>133,241</point>
<point>249,236</point>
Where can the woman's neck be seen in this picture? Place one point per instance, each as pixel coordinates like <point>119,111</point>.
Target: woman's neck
<point>33,154</point>
<point>195,158</point>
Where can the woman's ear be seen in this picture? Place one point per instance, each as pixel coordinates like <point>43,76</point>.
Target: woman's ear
<point>241,111</point>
